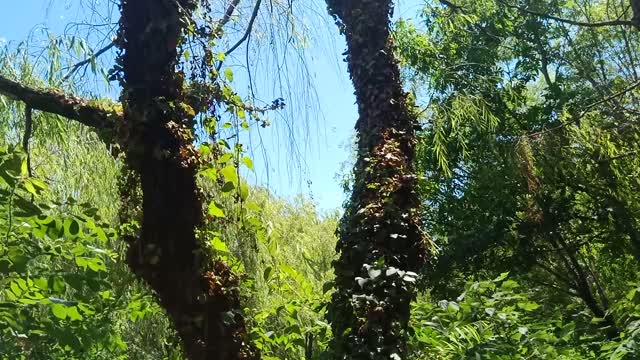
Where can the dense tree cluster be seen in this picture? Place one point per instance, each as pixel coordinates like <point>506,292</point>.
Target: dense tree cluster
<point>493,209</point>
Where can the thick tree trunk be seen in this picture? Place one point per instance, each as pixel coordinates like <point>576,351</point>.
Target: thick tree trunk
<point>380,237</point>
<point>200,295</point>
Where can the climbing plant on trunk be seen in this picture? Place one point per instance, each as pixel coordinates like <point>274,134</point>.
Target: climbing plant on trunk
<point>381,243</point>
<point>199,294</point>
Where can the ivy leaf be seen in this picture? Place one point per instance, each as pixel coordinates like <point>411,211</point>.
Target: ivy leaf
<point>374,273</point>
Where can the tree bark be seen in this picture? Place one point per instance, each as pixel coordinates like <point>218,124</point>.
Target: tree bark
<point>200,295</point>
<point>380,235</point>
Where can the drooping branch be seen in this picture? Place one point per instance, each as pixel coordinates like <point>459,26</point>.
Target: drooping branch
<point>65,105</point>
<point>86,61</point>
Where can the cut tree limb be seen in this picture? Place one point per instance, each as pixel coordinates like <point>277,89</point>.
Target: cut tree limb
<point>59,103</point>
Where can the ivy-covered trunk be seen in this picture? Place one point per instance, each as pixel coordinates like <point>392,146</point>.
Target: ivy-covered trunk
<point>199,294</point>
<point>381,243</point>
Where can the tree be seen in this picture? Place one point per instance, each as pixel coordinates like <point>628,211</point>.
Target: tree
<point>155,129</point>
<point>381,242</point>
<point>526,118</point>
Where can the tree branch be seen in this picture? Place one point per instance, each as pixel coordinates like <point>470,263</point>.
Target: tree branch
<point>56,102</point>
<point>225,19</point>
<point>28,131</point>
<point>86,61</point>
<point>616,22</point>
<point>609,98</point>
<point>244,37</point>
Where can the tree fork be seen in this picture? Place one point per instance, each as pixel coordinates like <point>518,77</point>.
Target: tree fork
<point>199,294</point>
<point>381,242</point>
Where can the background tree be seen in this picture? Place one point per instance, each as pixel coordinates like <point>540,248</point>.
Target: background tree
<point>527,114</point>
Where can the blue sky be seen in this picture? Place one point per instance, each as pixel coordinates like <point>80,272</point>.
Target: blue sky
<point>322,151</point>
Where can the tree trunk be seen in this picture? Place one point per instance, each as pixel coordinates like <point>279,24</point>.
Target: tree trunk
<point>200,295</point>
<point>380,235</point>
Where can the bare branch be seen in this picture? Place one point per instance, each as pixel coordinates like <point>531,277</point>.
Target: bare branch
<point>225,19</point>
<point>56,102</point>
<point>244,37</point>
<point>587,109</point>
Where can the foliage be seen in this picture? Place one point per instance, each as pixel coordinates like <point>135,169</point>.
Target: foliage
<point>528,152</point>
<point>53,264</point>
<point>497,319</point>
<point>523,150</point>
<point>287,257</point>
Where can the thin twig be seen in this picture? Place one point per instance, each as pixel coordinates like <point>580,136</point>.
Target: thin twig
<point>619,156</point>
<point>610,97</point>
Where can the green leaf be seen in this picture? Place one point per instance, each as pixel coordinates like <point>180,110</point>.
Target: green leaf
<point>97,265</point>
<point>248,162</point>
<point>225,158</point>
<point>244,191</point>
<point>59,311</point>
<point>228,187</point>
<point>509,284</point>
<point>215,210</point>
<point>73,228</point>
<point>501,277</point>
<point>528,306</point>
<point>228,74</point>
<point>230,173</point>
<point>327,286</point>
<point>73,313</point>
<point>267,273</point>
<point>219,245</point>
